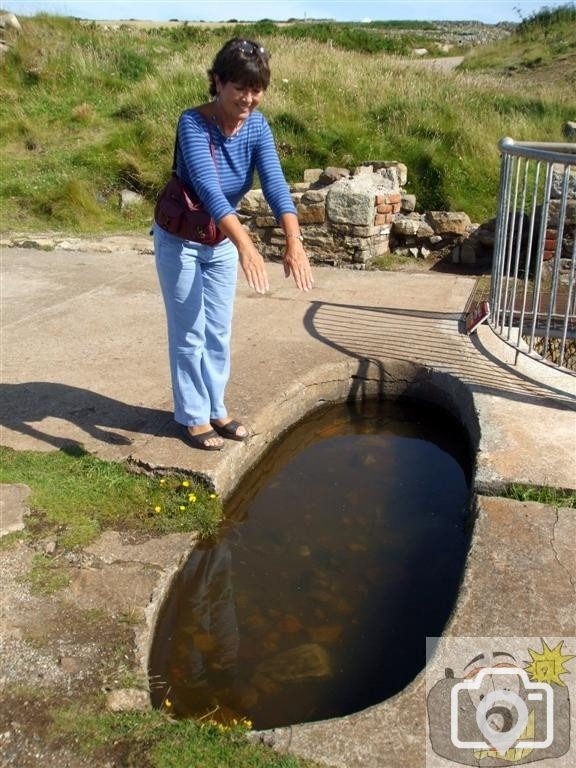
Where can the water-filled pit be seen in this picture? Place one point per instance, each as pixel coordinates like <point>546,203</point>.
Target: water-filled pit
<point>341,552</point>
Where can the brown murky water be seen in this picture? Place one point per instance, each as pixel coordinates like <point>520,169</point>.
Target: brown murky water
<point>340,554</point>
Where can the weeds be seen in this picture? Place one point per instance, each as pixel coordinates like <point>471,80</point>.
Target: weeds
<point>76,495</point>
<point>46,576</point>
<point>552,497</point>
<point>165,742</point>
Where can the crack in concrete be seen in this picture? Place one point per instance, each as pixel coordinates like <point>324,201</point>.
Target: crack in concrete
<point>556,555</point>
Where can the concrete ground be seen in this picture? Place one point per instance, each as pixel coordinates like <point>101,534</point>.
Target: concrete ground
<point>84,360</point>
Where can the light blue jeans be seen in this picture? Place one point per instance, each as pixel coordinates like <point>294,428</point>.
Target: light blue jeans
<point>198,284</point>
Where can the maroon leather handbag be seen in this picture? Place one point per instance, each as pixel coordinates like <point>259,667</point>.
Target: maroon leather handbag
<point>181,213</point>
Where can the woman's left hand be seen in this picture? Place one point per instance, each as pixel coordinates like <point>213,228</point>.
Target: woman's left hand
<point>296,263</point>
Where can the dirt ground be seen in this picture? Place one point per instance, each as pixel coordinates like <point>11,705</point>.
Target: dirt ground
<point>55,655</point>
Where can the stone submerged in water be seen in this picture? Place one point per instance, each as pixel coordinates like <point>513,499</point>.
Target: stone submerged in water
<point>302,664</point>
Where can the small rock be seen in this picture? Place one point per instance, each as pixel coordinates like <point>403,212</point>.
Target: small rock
<point>311,175</point>
<point>467,254</point>
<point>128,199</point>
<point>448,222</point>
<point>10,21</point>
<point>424,230</point>
<point>126,699</point>
<point>305,662</point>
<point>486,237</point>
<point>330,175</point>
<point>13,508</point>
<point>408,203</point>
<point>406,227</point>
<point>569,129</point>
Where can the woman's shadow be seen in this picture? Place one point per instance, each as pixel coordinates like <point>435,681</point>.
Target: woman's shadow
<point>24,406</point>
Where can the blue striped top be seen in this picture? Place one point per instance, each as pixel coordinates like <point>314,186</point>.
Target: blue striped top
<point>237,157</point>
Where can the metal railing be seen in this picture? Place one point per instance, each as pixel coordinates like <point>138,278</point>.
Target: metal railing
<point>532,292</point>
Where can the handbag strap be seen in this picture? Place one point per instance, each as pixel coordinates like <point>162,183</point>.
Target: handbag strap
<point>211,147</point>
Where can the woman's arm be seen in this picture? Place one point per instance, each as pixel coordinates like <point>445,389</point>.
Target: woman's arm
<point>196,165</point>
<point>296,261</point>
<point>278,197</point>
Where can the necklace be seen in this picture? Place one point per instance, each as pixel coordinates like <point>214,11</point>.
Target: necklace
<point>223,131</point>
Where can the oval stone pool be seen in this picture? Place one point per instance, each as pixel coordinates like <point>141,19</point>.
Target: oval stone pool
<point>341,552</point>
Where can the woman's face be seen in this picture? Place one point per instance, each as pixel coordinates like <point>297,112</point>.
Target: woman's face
<point>236,100</point>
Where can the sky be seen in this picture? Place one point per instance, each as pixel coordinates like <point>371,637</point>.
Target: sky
<point>487,11</point>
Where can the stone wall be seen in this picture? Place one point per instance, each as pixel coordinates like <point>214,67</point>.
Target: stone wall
<point>349,218</point>
<point>345,218</point>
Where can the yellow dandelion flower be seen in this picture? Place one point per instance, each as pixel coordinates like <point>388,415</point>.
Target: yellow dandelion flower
<point>213,496</point>
<point>182,508</point>
<point>191,497</point>
<point>185,483</point>
<point>248,723</point>
<point>167,703</point>
<point>162,481</point>
<point>157,509</point>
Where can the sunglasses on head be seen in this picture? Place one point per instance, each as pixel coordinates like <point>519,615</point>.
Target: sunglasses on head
<point>251,49</point>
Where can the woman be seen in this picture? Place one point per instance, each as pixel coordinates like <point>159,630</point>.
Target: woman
<point>220,145</point>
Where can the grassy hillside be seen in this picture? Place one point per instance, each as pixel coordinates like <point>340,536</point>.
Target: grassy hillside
<point>88,110</point>
<point>542,48</point>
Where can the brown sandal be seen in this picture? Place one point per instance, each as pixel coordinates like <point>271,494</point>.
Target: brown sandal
<point>230,430</point>
<point>201,440</point>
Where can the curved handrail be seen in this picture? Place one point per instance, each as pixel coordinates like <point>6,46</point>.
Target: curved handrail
<point>533,285</point>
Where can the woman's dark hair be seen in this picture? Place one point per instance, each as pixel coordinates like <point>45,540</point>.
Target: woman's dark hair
<point>243,62</point>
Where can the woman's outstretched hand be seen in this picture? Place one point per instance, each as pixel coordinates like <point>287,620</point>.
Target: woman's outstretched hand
<point>254,269</point>
<point>296,263</point>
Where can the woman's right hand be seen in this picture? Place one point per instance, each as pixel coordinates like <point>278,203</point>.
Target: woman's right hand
<point>251,260</point>
<point>254,268</point>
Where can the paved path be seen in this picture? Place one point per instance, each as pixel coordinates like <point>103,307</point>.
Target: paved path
<point>84,360</point>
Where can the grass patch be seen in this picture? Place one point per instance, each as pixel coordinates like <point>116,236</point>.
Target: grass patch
<point>154,740</point>
<point>552,497</point>
<point>391,262</point>
<point>46,576</point>
<point>8,540</point>
<point>76,495</point>
<point>545,37</point>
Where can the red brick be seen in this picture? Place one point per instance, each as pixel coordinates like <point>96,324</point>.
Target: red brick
<point>396,207</point>
<point>384,208</point>
<point>383,218</point>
